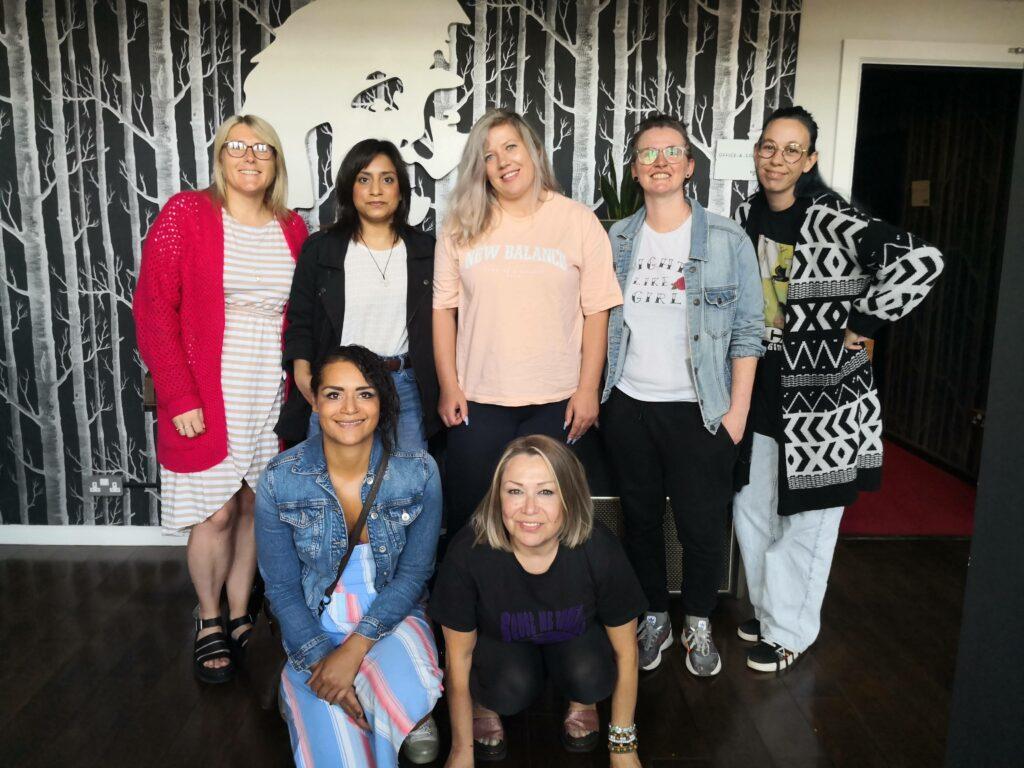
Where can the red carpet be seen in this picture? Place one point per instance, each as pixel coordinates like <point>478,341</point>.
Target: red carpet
<point>916,499</point>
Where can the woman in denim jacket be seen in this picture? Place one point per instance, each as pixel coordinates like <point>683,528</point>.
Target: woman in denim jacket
<point>362,676</point>
<point>682,351</point>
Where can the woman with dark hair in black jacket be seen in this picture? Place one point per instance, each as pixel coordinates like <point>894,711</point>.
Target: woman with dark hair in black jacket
<point>366,280</point>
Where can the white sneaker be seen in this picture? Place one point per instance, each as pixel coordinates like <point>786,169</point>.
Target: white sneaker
<point>421,745</point>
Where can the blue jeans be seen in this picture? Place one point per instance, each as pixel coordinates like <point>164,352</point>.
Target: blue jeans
<point>411,435</point>
<point>787,559</point>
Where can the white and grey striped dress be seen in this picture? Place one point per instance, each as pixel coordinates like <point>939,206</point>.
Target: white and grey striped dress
<point>258,269</point>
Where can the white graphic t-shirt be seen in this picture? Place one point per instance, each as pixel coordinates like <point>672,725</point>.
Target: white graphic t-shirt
<point>657,365</point>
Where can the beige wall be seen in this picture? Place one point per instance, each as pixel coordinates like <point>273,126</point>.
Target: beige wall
<point>824,24</point>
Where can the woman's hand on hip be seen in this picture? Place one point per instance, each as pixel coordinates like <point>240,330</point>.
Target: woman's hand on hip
<point>854,341</point>
<point>581,413</point>
<point>452,407</point>
<point>190,423</point>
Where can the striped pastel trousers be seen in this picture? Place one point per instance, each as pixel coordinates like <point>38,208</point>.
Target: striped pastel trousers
<point>398,684</point>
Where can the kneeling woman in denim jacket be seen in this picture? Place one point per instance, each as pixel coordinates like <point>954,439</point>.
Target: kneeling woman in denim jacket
<point>682,351</point>
<point>362,676</point>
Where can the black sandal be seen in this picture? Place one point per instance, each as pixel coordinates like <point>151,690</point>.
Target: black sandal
<point>210,647</point>
<point>239,643</point>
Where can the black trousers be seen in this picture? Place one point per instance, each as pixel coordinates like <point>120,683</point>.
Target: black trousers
<point>474,450</point>
<point>663,449</point>
<point>508,677</point>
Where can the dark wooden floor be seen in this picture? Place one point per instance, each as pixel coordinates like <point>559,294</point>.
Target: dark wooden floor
<point>95,651</point>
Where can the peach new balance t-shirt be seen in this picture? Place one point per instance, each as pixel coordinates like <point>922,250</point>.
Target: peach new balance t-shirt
<point>522,290</point>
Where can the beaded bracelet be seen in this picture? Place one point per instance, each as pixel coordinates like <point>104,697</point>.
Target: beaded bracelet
<point>622,739</point>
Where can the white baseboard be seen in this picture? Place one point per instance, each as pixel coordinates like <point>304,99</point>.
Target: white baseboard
<point>90,535</point>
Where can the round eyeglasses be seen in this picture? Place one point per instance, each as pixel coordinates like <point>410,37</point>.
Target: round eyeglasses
<point>672,155</point>
<point>260,150</point>
<point>791,153</point>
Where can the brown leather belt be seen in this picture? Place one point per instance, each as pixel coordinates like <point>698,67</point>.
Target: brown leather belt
<point>397,363</point>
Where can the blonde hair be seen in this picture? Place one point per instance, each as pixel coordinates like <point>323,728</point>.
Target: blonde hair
<point>472,201</point>
<point>276,196</point>
<point>570,480</point>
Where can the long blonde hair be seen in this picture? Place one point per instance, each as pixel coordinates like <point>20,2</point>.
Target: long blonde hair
<point>472,200</point>
<point>276,196</point>
<point>570,480</point>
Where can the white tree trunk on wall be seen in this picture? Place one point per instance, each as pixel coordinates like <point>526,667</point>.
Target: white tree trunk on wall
<point>236,58</point>
<point>112,265</point>
<point>690,89</point>
<point>80,141</point>
<point>46,414</point>
<point>638,63</point>
<point>521,63</point>
<point>662,61</point>
<point>218,112</point>
<point>620,87</point>
<point>479,59</point>
<point>124,79</point>
<point>780,52</point>
<point>17,439</point>
<point>585,100</point>
<point>197,93</point>
<point>759,81</point>
<point>65,225</point>
<point>550,18</point>
<point>161,76</point>
<point>723,105</point>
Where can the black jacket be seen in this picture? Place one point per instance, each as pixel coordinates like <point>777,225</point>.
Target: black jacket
<point>316,312</point>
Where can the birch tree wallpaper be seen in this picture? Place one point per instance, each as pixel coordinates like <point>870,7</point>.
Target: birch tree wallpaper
<point>108,107</point>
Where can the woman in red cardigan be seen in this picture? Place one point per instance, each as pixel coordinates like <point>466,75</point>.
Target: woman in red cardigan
<point>209,307</point>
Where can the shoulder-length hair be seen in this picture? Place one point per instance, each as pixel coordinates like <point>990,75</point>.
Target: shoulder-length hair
<point>570,480</point>
<point>372,366</point>
<point>471,204</point>
<point>357,158</point>
<point>276,196</point>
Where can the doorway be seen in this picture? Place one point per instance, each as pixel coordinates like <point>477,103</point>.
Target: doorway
<point>933,155</point>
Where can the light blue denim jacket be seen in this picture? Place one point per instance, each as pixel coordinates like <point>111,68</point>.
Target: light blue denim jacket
<point>301,537</point>
<point>724,305</point>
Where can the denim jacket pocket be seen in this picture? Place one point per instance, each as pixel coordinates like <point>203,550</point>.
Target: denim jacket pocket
<point>398,516</point>
<point>306,519</point>
<point>719,310</point>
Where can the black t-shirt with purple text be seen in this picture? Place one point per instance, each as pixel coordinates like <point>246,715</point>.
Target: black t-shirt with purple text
<point>487,590</point>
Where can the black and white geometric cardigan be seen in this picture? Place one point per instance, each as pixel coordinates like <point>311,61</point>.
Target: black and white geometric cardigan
<point>849,271</point>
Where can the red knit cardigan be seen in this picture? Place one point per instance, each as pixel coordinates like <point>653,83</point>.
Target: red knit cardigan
<point>179,323</point>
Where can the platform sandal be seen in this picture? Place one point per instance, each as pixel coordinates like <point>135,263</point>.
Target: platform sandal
<point>238,644</point>
<point>488,727</point>
<point>581,720</point>
<point>213,646</point>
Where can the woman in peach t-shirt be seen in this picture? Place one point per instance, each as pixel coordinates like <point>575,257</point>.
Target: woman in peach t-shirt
<point>523,282</point>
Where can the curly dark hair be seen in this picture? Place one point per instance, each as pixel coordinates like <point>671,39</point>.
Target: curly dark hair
<point>371,365</point>
<point>357,158</point>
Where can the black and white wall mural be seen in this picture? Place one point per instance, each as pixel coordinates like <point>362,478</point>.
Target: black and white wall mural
<point>108,107</point>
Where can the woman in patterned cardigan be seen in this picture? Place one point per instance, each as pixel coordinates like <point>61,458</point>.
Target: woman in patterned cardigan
<point>832,277</point>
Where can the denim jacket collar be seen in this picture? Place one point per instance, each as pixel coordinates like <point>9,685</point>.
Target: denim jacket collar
<point>699,236</point>
<point>313,461</point>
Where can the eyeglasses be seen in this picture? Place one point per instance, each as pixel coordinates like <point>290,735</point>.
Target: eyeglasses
<point>260,150</point>
<point>791,153</point>
<point>672,155</point>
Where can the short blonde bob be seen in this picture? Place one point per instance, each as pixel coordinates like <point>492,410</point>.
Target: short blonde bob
<point>276,196</point>
<point>570,480</point>
<point>472,201</point>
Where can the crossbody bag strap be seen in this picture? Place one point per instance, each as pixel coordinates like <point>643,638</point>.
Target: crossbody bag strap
<point>356,532</point>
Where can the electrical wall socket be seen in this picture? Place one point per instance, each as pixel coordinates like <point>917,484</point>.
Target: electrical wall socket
<point>103,485</point>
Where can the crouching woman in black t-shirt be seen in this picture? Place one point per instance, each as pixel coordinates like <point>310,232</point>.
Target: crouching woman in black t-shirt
<point>534,587</point>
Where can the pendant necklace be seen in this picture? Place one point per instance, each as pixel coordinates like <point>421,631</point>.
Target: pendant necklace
<point>387,263</point>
